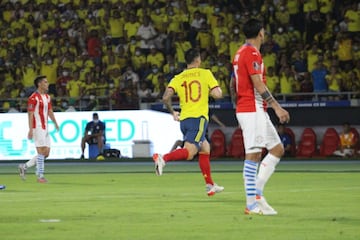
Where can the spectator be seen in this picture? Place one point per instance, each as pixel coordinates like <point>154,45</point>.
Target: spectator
<point>116,25</point>
<point>109,61</point>
<point>155,57</point>
<point>352,17</point>
<point>130,75</point>
<point>281,38</point>
<point>74,86</point>
<point>146,33</point>
<point>138,61</point>
<point>318,78</point>
<point>94,46</point>
<point>333,80</point>
<point>196,21</point>
<point>347,142</point>
<point>298,62</point>
<point>314,25</point>
<point>288,84</point>
<point>312,56</point>
<point>181,45</point>
<point>63,80</point>
<point>153,77</point>
<point>134,43</point>
<point>145,93</point>
<point>272,81</point>
<point>48,68</point>
<point>218,30</point>
<point>343,47</point>
<point>29,72</point>
<point>235,43</point>
<point>204,38</point>
<point>131,26</point>
<point>115,78</point>
<point>94,134</point>
<point>269,57</point>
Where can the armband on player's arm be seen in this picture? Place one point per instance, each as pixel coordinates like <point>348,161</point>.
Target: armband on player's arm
<point>267,96</point>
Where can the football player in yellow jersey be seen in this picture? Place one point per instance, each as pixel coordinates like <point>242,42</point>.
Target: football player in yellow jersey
<point>193,87</point>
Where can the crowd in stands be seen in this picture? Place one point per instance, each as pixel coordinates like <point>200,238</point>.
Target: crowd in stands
<point>97,53</point>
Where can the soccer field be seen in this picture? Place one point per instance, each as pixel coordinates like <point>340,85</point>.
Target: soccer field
<point>315,200</point>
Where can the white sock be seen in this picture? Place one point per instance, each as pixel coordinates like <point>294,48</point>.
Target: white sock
<point>249,175</point>
<point>267,168</point>
<point>40,166</point>
<point>31,162</point>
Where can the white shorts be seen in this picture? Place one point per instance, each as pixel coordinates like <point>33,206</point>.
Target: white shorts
<point>41,137</point>
<point>258,131</point>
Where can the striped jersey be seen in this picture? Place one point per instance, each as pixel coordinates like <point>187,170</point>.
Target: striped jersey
<point>247,62</point>
<point>40,104</point>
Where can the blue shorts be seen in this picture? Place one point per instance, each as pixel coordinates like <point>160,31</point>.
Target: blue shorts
<point>194,130</point>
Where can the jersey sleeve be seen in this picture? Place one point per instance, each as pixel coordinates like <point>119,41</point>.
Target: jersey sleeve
<point>172,84</point>
<point>213,83</point>
<point>31,104</point>
<point>253,62</point>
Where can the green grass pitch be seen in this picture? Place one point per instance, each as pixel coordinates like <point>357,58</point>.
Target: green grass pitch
<point>315,200</point>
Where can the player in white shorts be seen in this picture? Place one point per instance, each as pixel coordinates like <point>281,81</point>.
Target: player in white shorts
<point>252,97</point>
<point>39,110</point>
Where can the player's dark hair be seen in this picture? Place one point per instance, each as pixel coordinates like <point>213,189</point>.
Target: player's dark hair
<point>38,79</point>
<point>252,28</point>
<point>191,55</point>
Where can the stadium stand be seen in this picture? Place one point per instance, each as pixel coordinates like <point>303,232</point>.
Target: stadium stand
<point>99,37</point>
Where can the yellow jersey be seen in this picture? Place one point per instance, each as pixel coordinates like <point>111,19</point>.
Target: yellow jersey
<point>347,139</point>
<point>193,87</point>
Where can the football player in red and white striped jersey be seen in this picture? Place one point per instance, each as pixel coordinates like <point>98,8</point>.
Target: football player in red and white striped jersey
<point>39,110</point>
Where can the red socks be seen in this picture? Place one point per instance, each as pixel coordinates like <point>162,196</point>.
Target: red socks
<point>204,164</point>
<point>177,154</point>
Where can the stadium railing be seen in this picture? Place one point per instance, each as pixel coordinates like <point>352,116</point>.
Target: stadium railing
<point>107,102</point>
